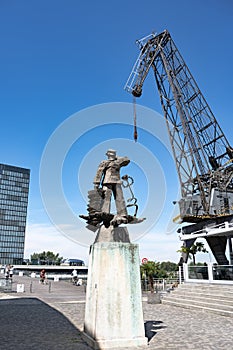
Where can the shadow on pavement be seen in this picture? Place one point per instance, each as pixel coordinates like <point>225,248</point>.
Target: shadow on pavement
<point>29,323</point>
<point>151,328</point>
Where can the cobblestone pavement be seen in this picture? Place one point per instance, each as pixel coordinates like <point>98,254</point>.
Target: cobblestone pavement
<point>50,317</point>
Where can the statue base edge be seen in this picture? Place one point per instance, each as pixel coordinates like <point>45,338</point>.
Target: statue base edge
<point>141,342</point>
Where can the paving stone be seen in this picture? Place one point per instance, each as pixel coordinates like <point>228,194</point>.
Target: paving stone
<point>50,317</point>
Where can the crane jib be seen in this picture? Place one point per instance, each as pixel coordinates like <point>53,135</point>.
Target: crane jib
<point>202,153</point>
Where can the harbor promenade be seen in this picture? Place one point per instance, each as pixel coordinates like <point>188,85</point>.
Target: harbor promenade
<point>50,317</point>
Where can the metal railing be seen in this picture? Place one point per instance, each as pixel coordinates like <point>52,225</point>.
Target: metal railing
<point>160,284</point>
<point>211,273</point>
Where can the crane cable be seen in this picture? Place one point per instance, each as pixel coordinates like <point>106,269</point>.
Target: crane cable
<point>135,135</point>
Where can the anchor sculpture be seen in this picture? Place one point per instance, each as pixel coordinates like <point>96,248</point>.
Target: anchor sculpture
<point>129,182</point>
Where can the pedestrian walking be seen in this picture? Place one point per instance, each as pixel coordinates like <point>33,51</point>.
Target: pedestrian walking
<point>11,272</point>
<point>7,272</point>
<point>42,276</point>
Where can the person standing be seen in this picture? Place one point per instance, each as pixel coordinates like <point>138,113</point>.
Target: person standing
<point>11,272</point>
<point>42,276</point>
<point>7,272</point>
<point>74,275</point>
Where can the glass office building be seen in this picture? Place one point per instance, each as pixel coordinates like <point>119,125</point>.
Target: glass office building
<point>14,188</point>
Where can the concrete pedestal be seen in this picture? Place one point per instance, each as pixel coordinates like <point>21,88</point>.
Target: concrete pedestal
<point>113,314</point>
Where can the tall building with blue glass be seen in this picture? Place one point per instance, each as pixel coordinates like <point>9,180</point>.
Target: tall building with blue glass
<point>14,189</point>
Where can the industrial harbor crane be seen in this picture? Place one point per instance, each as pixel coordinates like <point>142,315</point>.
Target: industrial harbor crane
<point>202,153</point>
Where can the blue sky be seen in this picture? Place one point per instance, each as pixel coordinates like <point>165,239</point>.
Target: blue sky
<point>59,58</point>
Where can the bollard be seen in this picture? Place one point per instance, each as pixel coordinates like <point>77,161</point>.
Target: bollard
<point>49,287</point>
<point>31,287</point>
<point>20,288</point>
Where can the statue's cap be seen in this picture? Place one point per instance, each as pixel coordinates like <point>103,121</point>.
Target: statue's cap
<point>111,152</point>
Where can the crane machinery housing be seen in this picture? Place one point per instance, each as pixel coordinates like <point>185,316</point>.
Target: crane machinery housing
<point>202,153</point>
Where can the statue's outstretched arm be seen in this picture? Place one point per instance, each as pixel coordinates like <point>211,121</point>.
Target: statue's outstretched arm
<point>123,161</point>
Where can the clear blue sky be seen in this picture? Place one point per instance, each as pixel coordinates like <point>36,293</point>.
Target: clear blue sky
<point>60,57</point>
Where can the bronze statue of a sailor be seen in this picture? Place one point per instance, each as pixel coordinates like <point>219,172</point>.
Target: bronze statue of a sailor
<point>108,183</point>
<point>108,178</point>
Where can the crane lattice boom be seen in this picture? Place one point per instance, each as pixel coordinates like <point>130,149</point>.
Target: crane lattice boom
<point>202,153</point>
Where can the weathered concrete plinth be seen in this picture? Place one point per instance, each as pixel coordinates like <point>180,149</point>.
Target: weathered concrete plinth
<point>113,314</point>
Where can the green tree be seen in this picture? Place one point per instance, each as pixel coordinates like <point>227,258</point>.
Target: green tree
<point>170,268</point>
<point>46,258</point>
<point>197,247</point>
<point>150,269</point>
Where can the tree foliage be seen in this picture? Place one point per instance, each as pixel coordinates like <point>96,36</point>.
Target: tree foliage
<point>156,270</point>
<point>150,269</point>
<point>169,268</point>
<point>197,247</point>
<point>46,258</point>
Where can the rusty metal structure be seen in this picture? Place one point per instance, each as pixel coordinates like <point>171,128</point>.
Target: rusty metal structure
<point>202,153</point>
